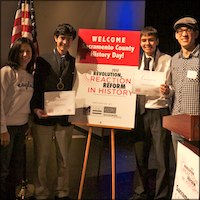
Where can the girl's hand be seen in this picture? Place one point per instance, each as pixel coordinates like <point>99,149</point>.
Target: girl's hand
<point>5,138</point>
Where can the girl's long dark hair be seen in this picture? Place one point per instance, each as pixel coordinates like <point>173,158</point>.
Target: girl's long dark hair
<point>13,55</point>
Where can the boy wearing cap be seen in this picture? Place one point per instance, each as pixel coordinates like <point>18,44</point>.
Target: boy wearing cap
<point>184,80</point>
<point>54,72</point>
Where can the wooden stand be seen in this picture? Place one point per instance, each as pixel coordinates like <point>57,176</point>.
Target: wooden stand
<point>86,159</point>
<point>186,125</point>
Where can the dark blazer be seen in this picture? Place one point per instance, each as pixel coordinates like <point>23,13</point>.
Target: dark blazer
<point>46,78</point>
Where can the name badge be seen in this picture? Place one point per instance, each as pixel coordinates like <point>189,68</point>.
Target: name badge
<point>191,74</point>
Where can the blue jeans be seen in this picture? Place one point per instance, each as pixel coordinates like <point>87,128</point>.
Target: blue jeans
<point>12,162</point>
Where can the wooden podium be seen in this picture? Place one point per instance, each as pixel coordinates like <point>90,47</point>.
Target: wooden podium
<point>187,164</point>
<point>186,125</point>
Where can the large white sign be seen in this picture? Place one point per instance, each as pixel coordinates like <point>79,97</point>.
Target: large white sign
<point>186,184</point>
<point>106,61</point>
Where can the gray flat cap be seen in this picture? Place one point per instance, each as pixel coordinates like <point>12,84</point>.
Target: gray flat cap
<point>186,21</point>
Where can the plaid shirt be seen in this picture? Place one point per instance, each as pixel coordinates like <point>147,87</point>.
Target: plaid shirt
<point>185,82</point>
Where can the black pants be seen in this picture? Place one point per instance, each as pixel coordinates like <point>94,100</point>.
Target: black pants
<point>12,162</point>
<point>154,134</point>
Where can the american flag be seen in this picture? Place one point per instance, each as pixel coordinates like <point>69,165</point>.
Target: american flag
<point>24,22</point>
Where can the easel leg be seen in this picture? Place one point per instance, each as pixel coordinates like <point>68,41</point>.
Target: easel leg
<point>100,152</point>
<point>113,162</point>
<point>85,163</point>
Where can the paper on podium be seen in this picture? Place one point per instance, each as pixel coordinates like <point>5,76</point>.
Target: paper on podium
<point>148,82</point>
<point>59,103</point>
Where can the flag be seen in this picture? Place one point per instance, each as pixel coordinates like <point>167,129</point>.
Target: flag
<point>24,23</point>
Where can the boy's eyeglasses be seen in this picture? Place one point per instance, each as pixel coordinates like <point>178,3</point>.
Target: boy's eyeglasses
<point>181,30</point>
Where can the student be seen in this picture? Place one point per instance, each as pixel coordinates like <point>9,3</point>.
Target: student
<point>184,82</point>
<point>16,93</point>
<point>151,111</point>
<point>54,72</point>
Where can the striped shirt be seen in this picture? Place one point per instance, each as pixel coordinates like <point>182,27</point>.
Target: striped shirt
<point>185,81</point>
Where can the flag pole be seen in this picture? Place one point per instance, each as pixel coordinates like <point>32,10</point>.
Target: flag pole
<point>25,13</point>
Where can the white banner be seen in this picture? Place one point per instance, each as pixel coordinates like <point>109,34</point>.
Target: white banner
<point>104,95</point>
<point>186,183</point>
<point>106,62</point>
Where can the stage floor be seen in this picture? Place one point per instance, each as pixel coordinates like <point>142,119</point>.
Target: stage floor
<point>97,184</point>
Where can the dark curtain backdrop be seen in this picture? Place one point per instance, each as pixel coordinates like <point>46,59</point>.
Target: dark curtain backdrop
<point>162,15</point>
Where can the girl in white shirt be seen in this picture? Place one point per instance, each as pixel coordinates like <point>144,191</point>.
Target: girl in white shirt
<point>16,93</point>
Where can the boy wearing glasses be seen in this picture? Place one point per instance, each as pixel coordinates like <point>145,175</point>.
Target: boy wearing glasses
<point>184,80</point>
